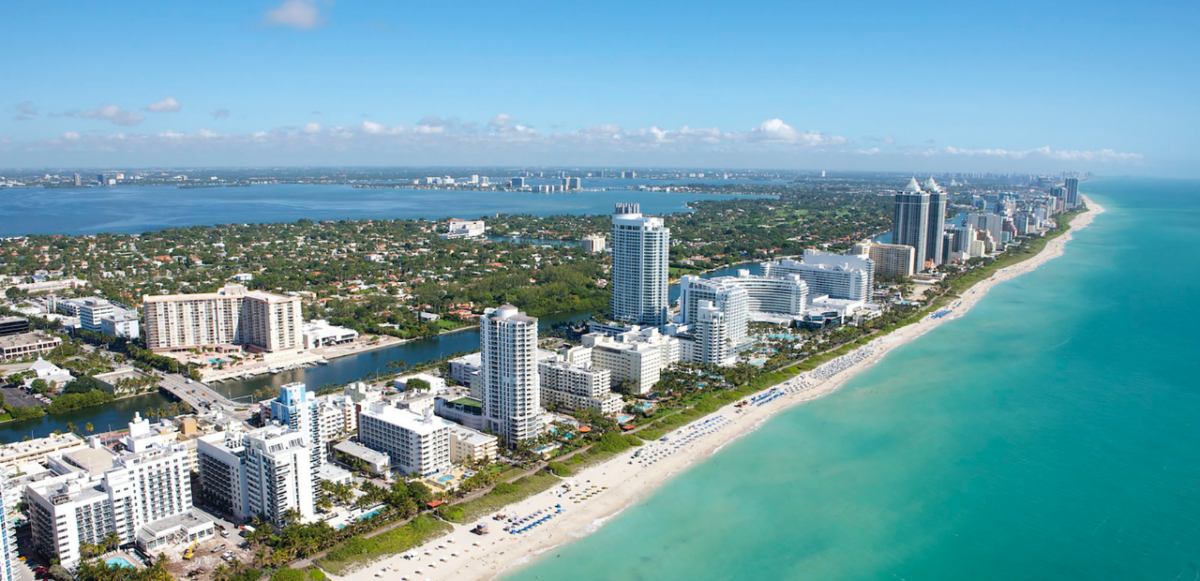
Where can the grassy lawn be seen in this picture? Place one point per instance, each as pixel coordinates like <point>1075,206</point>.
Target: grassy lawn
<point>507,493</point>
<point>357,552</point>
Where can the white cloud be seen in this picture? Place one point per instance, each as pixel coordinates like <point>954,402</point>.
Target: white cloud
<point>168,105</point>
<point>775,130</point>
<point>297,14</point>
<point>70,136</point>
<point>311,128</point>
<point>115,114</point>
<point>373,128</point>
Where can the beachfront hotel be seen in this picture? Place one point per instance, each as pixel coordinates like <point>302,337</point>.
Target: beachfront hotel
<point>841,276</point>
<point>232,316</point>
<point>142,493</point>
<point>266,471</point>
<point>636,357</point>
<point>415,443</point>
<point>574,387</point>
<point>896,260</point>
<point>640,250</point>
<point>511,394</point>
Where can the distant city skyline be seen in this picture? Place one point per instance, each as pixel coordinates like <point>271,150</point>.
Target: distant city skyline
<point>916,87</point>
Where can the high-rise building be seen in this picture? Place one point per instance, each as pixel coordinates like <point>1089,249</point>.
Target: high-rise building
<point>593,243</point>
<point>786,294</point>
<point>78,180</point>
<point>893,259</point>
<point>1072,186</point>
<point>840,276</point>
<point>723,294</point>
<point>91,311</point>
<point>714,344</point>
<point>296,408</point>
<point>141,493</point>
<point>8,538</point>
<point>569,387</point>
<point>511,391</point>
<point>640,250</point>
<point>230,316</point>
<point>636,357</point>
<point>264,472</point>
<point>935,224</point>
<point>910,221</point>
<point>415,443</point>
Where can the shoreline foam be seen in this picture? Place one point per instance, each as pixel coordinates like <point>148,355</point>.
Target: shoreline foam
<point>496,554</point>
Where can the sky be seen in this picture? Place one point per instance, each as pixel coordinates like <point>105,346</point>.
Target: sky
<point>1109,87</point>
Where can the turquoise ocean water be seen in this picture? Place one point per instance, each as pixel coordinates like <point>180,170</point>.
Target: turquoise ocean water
<point>1051,433</point>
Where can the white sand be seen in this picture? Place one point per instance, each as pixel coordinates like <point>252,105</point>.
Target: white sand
<point>456,556</point>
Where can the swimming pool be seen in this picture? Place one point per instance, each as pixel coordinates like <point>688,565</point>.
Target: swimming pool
<point>367,515</point>
<point>446,478</point>
<point>119,562</point>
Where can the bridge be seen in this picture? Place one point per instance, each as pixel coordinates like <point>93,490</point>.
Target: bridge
<point>200,396</point>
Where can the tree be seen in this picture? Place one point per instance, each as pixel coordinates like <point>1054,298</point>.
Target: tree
<point>89,428</point>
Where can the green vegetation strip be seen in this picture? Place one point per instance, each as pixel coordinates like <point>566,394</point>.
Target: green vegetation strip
<point>359,551</point>
<point>506,493</point>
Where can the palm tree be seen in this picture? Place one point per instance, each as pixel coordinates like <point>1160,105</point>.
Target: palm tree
<point>88,428</point>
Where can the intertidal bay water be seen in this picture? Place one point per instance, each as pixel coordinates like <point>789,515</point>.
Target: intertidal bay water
<point>1050,433</point>
<point>134,209</point>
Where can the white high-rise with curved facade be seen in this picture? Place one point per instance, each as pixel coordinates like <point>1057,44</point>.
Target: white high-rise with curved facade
<point>511,390</point>
<point>640,250</point>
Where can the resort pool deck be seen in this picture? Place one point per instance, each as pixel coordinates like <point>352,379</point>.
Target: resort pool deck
<point>119,561</point>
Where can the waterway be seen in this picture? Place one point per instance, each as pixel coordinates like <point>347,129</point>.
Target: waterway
<point>134,209</point>
<point>1049,434</point>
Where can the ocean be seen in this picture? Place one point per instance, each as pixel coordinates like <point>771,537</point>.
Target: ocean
<point>1053,432</point>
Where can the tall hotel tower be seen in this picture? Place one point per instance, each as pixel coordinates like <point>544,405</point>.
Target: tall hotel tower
<point>511,391</point>
<point>910,225</point>
<point>640,249</point>
<point>937,222</point>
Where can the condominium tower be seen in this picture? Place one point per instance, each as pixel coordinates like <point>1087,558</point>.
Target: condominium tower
<point>640,249</point>
<point>910,222</point>
<point>511,394</point>
<point>230,316</point>
<point>936,223</point>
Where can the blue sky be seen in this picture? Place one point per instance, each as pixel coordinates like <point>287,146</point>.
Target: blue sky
<point>923,86</point>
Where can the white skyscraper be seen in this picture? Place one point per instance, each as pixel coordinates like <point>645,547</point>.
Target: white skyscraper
<point>640,250</point>
<point>266,471</point>
<point>714,342</point>
<point>511,392</point>
<point>722,293</point>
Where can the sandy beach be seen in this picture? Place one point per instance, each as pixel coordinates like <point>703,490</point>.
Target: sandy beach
<point>602,491</point>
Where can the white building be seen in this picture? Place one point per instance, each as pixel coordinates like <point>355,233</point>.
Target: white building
<point>511,394</point>
<point>640,250</point>
<point>715,343</point>
<point>570,387</point>
<point>100,491</point>
<point>8,537</point>
<point>593,243</point>
<point>724,294</point>
<point>416,444</point>
<point>456,228</point>
<point>264,472</point>
<point>319,333</point>
<point>837,275</point>
<point>993,224</point>
<point>123,325</point>
<point>230,316</point>
<point>636,358</point>
<point>91,311</point>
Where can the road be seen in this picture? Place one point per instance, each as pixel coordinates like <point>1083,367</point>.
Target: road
<point>198,395</point>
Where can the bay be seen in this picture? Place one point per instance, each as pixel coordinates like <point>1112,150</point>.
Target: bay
<point>1050,433</point>
<point>135,209</point>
